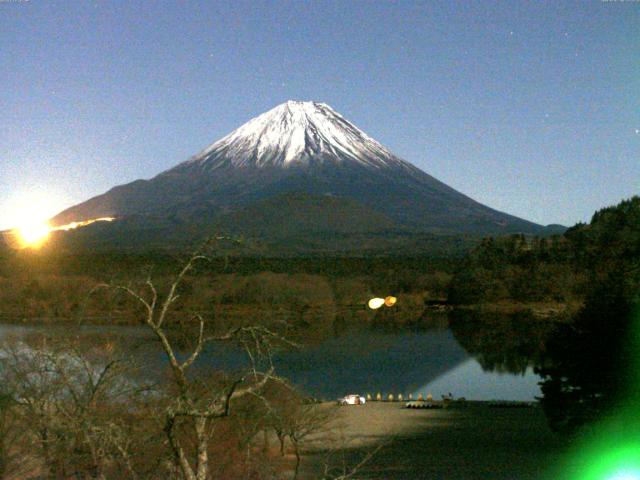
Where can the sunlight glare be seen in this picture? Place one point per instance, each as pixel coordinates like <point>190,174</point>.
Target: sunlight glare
<point>33,233</point>
<point>27,216</point>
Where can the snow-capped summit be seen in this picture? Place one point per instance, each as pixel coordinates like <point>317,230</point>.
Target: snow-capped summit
<point>296,133</point>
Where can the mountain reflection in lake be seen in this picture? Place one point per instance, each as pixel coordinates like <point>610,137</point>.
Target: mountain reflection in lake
<point>479,357</point>
<point>502,343</point>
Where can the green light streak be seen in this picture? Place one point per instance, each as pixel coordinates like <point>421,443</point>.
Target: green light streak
<point>614,464</point>
<point>612,450</point>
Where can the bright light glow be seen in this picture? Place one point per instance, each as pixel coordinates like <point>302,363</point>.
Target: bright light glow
<point>33,233</point>
<point>26,213</point>
<point>611,456</point>
<point>376,303</point>
<point>35,204</point>
<point>625,475</point>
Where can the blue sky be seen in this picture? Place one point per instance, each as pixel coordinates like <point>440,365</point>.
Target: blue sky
<point>532,108</point>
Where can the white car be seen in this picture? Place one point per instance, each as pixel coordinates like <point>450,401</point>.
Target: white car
<point>352,400</point>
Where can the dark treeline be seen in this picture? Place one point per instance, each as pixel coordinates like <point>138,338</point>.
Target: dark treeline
<point>590,369</point>
<point>109,263</point>
<point>521,269</point>
<point>558,268</point>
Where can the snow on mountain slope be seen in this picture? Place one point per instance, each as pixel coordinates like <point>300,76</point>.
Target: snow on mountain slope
<point>297,132</point>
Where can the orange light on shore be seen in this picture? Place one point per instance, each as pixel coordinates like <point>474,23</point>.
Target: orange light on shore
<point>376,303</point>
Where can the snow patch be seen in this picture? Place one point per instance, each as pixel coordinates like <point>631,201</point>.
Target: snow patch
<point>297,132</point>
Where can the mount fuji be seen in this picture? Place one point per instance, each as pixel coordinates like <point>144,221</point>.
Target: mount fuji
<point>298,170</point>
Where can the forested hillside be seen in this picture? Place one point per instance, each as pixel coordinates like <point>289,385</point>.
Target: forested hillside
<point>558,268</point>
<point>590,371</point>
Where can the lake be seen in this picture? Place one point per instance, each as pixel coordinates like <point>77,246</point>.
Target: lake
<point>474,358</point>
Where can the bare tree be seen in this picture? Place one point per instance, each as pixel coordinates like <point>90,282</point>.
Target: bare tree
<point>292,418</point>
<point>194,406</point>
<point>70,405</point>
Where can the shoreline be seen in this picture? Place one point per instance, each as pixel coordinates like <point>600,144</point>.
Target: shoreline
<point>439,443</point>
<point>540,310</point>
<point>558,312</point>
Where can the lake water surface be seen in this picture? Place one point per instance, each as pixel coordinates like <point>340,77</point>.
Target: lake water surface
<point>364,361</point>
